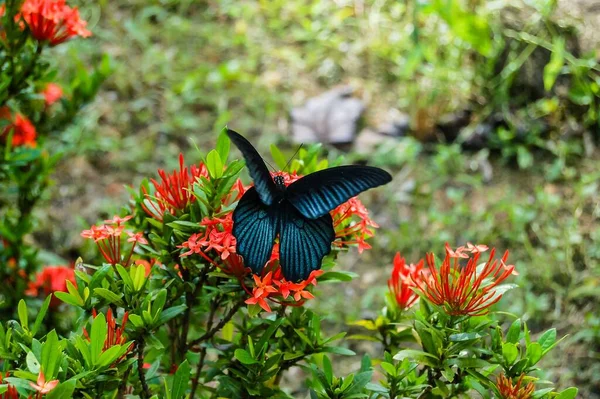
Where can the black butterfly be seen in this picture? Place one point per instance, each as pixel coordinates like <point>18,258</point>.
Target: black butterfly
<point>299,213</point>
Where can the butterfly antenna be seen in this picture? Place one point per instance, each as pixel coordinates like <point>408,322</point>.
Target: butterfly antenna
<point>292,158</point>
<point>269,165</point>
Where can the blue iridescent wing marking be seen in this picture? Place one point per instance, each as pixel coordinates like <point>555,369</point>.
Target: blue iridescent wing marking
<point>258,170</point>
<point>302,242</point>
<point>319,193</point>
<point>255,227</point>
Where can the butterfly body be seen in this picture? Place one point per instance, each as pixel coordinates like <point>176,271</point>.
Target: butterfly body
<point>298,214</point>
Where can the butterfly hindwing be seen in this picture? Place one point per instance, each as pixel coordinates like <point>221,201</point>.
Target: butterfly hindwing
<point>303,242</point>
<point>255,226</point>
<point>319,193</point>
<point>258,170</point>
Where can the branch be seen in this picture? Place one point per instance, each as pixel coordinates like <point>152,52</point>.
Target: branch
<point>212,331</point>
<point>141,344</point>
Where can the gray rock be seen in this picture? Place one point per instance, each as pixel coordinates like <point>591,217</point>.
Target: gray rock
<point>331,117</point>
<point>397,124</point>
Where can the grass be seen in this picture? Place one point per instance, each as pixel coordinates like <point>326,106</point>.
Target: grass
<point>182,69</point>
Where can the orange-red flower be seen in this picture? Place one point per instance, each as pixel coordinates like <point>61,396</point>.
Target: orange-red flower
<point>108,239</point>
<point>50,280</point>
<point>174,192</point>
<point>401,282</point>
<point>52,93</point>
<point>263,287</point>
<point>11,392</point>
<point>465,290</point>
<point>508,390</point>
<point>43,387</point>
<point>53,21</point>
<point>23,131</point>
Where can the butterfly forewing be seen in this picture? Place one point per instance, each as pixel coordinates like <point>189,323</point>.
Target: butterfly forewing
<point>321,192</point>
<point>302,242</point>
<point>258,170</point>
<point>255,226</point>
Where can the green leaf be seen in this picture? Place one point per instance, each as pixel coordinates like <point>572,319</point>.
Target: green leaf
<point>33,365</point>
<point>556,63</point>
<point>534,353</point>
<point>244,357</point>
<point>223,145</point>
<point>68,298</point>
<point>510,352</point>
<point>327,370</point>
<point>97,337</point>
<point>181,380</point>
<point>338,350</point>
<point>418,356</point>
<point>51,355</point>
<point>547,339</point>
<point>125,277</point>
<point>109,356</point>
<point>514,332</point>
<point>569,393</point>
<point>41,314</point>
<point>389,368</point>
<point>22,310</point>
<point>461,337</point>
<point>466,362</point>
<point>110,296</point>
<point>214,164</point>
<point>278,157</point>
<point>168,314</point>
<point>62,390</point>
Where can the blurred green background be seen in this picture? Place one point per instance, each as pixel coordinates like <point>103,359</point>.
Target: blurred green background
<point>501,100</point>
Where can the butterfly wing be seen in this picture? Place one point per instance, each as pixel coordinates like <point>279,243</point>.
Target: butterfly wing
<point>303,242</point>
<point>254,228</point>
<point>258,170</point>
<point>319,193</point>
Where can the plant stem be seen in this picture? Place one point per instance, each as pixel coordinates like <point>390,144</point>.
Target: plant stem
<point>123,384</point>
<point>141,344</point>
<point>210,332</point>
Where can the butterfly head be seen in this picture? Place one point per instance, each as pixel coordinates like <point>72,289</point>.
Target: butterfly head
<point>279,181</point>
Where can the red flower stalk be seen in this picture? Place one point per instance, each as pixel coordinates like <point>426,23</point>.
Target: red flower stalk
<point>50,280</point>
<point>174,192</point>
<point>108,240</point>
<point>52,93</point>
<point>11,392</point>
<point>23,131</point>
<point>465,290</point>
<point>53,21</point>
<point>508,390</point>
<point>115,334</point>
<point>401,282</point>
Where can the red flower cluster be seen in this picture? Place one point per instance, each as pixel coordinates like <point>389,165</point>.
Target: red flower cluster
<point>52,93</point>
<point>401,282</point>
<point>174,192</point>
<point>508,390</point>
<point>465,290</point>
<point>352,224</point>
<point>53,21</point>
<point>108,239</point>
<point>23,131</point>
<point>50,280</point>
<point>217,236</point>
<point>11,392</point>
<point>115,334</point>
<point>275,287</point>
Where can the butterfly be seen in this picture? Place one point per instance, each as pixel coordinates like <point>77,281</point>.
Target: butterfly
<point>298,213</point>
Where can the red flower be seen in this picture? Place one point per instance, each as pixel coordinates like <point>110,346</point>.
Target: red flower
<point>11,392</point>
<point>51,279</point>
<point>43,386</point>
<point>218,236</point>
<point>174,192</point>
<point>52,93</point>
<point>234,266</point>
<point>352,224</point>
<point>401,282</point>
<point>508,390</point>
<point>23,131</point>
<point>464,290</point>
<point>262,289</point>
<point>53,20</point>
<point>108,240</point>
